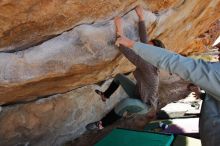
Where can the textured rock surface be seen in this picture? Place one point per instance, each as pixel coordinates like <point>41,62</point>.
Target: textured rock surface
<point>81,56</point>
<point>184,23</point>
<point>52,48</point>
<point>204,41</point>
<point>86,54</point>
<point>24,23</point>
<point>62,117</point>
<point>53,120</point>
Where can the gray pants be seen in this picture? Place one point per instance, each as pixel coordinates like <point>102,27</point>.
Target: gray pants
<point>128,85</point>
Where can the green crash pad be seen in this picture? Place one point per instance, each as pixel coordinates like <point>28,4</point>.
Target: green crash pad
<point>186,141</point>
<point>123,137</point>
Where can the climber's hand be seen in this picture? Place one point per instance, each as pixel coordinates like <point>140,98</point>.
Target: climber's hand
<point>140,12</point>
<point>124,42</point>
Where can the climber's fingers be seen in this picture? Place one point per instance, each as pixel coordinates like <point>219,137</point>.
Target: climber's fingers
<point>124,42</point>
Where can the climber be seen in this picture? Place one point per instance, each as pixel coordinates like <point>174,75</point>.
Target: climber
<point>146,75</point>
<point>204,74</point>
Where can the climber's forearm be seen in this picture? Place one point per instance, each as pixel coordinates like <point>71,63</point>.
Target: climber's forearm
<point>142,32</point>
<point>130,55</point>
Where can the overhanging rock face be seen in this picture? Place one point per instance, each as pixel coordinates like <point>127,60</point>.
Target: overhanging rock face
<point>86,54</point>
<point>25,23</point>
<point>58,50</point>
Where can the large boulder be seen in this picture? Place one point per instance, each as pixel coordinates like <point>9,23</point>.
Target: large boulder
<point>85,54</point>
<point>63,117</point>
<point>26,23</point>
<point>54,53</point>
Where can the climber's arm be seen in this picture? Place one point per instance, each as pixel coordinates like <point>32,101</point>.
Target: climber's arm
<point>130,55</point>
<point>206,75</point>
<point>142,32</point>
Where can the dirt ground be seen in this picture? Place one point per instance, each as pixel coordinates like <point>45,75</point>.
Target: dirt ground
<point>90,138</point>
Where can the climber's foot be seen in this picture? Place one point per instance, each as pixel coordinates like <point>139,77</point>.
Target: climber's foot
<point>103,97</point>
<point>94,126</point>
